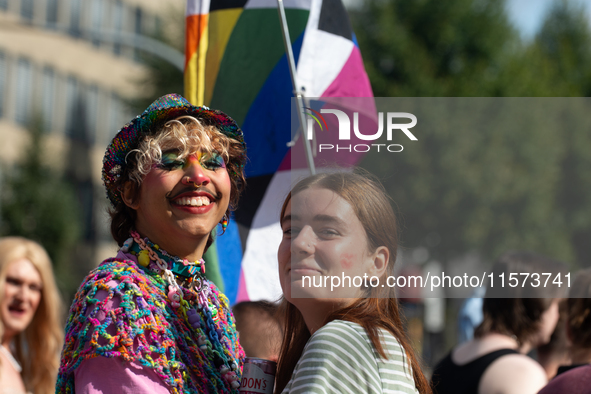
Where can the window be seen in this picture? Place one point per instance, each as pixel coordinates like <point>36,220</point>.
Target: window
<point>117,114</point>
<point>48,98</point>
<point>75,16</point>
<point>24,84</point>
<point>51,13</point>
<point>80,119</point>
<point>3,72</point>
<point>138,19</point>
<point>117,24</point>
<point>27,9</point>
<point>158,25</point>
<point>96,14</point>
<point>72,106</point>
<point>86,195</point>
<point>92,101</point>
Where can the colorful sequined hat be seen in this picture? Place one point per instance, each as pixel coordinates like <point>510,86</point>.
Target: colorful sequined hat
<point>165,108</point>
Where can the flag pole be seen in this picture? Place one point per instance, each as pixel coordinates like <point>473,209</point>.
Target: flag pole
<point>298,95</point>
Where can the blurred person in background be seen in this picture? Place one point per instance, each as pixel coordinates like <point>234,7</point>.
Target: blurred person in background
<point>495,360</point>
<point>148,320</point>
<point>576,377</point>
<point>556,352</point>
<point>30,324</point>
<point>259,328</point>
<point>351,339</point>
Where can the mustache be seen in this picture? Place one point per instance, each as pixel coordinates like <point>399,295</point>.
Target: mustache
<point>190,189</point>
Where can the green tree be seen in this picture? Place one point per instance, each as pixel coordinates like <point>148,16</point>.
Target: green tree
<point>434,48</point>
<point>39,204</point>
<point>564,43</point>
<point>485,177</point>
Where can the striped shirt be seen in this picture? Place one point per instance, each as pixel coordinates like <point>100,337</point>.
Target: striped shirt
<point>340,358</point>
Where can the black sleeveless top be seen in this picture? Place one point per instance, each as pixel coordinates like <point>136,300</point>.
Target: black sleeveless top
<point>450,378</point>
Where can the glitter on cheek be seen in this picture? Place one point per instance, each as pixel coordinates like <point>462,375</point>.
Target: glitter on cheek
<point>347,260</point>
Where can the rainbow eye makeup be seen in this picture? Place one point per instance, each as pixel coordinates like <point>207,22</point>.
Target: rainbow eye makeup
<point>170,161</point>
<point>209,161</point>
<point>212,161</point>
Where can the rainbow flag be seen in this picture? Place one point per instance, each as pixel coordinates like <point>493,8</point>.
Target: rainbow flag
<point>236,62</point>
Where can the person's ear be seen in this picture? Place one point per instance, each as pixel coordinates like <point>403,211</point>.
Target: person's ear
<point>130,195</point>
<point>379,260</point>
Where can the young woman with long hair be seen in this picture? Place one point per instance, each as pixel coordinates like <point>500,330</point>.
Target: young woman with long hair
<point>349,338</point>
<point>30,323</point>
<point>516,319</point>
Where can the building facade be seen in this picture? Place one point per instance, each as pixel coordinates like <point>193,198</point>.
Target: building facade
<point>73,64</point>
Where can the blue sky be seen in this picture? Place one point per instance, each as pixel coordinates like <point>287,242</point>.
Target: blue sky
<point>528,15</point>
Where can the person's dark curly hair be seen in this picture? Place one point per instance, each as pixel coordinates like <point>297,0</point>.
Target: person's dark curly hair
<point>517,310</point>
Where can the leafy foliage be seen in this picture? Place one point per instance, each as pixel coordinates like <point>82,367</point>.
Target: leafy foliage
<point>485,175</point>
<point>39,204</point>
<point>434,48</point>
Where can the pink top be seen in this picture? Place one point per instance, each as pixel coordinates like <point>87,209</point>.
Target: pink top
<point>127,337</point>
<point>113,375</point>
<point>577,380</point>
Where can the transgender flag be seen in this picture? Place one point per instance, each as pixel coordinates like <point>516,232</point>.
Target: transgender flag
<point>236,62</point>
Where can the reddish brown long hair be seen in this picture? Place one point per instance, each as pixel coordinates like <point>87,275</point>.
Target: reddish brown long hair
<point>379,309</point>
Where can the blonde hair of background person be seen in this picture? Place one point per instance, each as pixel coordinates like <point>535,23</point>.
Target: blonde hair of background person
<point>37,347</point>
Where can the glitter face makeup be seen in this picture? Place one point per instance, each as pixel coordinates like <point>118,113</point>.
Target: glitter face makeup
<point>193,126</point>
<point>209,161</point>
<point>182,198</point>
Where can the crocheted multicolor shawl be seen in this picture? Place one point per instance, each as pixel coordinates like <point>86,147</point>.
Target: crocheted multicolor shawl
<point>145,329</point>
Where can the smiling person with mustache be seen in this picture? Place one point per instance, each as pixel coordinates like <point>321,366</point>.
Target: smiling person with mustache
<point>148,320</point>
<point>30,318</point>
